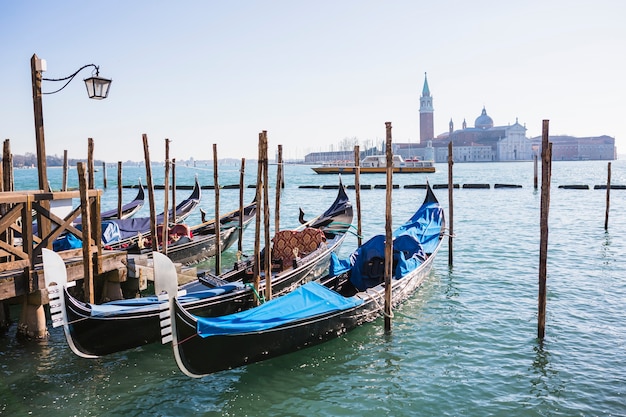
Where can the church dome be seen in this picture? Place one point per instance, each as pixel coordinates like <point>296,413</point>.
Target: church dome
<point>483,121</point>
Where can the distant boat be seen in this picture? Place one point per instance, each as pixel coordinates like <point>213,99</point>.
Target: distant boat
<point>377,164</point>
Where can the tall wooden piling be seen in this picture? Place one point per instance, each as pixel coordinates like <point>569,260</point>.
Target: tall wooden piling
<point>388,231</point>
<point>90,164</point>
<point>546,167</point>
<point>266,221</point>
<point>65,171</point>
<point>174,188</point>
<point>450,204</point>
<point>86,226</point>
<point>166,204</point>
<point>257,219</point>
<point>104,174</point>
<point>218,244</point>
<point>357,189</point>
<point>279,186</point>
<point>119,189</point>
<point>535,180</point>
<point>241,188</point>
<point>146,153</point>
<point>608,197</point>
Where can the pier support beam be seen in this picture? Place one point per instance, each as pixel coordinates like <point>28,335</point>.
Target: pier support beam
<point>32,324</point>
<point>5,317</point>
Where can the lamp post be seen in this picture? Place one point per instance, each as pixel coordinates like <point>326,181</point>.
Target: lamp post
<point>97,88</point>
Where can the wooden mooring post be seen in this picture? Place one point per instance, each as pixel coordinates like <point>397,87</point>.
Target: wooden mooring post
<point>146,152</point>
<point>119,189</point>
<point>450,204</point>
<point>279,186</point>
<point>608,197</point>
<point>241,189</point>
<point>257,219</point>
<point>388,231</point>
<point>216,187</point>
<point>166,204</point>
<point>266,222</point>
<point>357,189</point>
<point>546,168</point>
<point>535,180</point>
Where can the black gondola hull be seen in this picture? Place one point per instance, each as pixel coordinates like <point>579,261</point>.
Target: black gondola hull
<point>197,356</point>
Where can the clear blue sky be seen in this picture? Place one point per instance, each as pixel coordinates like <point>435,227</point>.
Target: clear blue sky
<point>311,73</point>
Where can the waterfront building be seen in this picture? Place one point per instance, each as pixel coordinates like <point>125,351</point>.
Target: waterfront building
<point>484,142</point>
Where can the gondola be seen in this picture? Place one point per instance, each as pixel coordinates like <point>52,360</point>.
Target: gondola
<point>94,330</point>
<point>122,233</point>
<point>128,210</point>
<point>191,244</point>
<point>352,294</point>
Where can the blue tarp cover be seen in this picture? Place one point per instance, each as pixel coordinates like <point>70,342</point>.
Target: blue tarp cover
<point>411,242</point>
<point>311,299</point>
<point>151,303</point>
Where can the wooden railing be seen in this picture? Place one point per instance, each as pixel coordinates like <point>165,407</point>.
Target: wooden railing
<point>22,210</point>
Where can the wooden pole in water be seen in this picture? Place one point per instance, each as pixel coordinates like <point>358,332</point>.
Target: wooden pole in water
<point>119,189</point>
<point>279,183</point>
<point>536,173</point>
<point>451,204</point>
<point>86,226</point>
<point>7,162</point>
<point>388,231</point>
<point>65,168</point>
<point>546,167</point>
<point>104,174</point>
<point>90,164</point>
<point>241,188</point>
<point>218,244</point>
<point>266,222</point>
<point>166,204</point>
<point>150,185</point>
<point>357,189</point>
<point>174,189</point>
<point>608,198</point>
<point>257,219</point>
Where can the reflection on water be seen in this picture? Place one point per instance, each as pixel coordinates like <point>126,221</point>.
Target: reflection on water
<point>545,384</point>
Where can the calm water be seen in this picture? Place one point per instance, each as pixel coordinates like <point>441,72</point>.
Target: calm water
<point>464,345</point>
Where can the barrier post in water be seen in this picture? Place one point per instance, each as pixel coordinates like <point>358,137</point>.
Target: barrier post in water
<point>535,170</point>
<point>166,192</point>
<point>65,170</point>
<point>357,189</point>
<point>146,153</point>
<point>174,187</point>
<point>91,170</point>
<point>388,231</point>
<point>451,203</point>
<point>546,168</point>
<point>241,188</point>
<point>218,245</point>
<point>608,197</point>
<point>104,174</point>
<point>279,186</point>
<point>119,189</point>
<point>266,222</point>
<point>86,226</point>
<point>257,219</point>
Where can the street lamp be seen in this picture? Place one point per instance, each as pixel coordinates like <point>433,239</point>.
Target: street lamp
<point>97,88</point>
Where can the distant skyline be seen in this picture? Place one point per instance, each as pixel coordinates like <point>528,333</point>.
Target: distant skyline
<point>310,73</point>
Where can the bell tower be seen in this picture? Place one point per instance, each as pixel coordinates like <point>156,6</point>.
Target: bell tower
<point>427,129</point>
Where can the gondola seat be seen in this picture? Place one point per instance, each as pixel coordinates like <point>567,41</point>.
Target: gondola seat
<point>290,245</point>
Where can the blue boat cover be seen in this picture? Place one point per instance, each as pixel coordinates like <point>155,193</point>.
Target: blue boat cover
<point>151,303</point>
<point>411,242</point>
<point>309,300</point>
